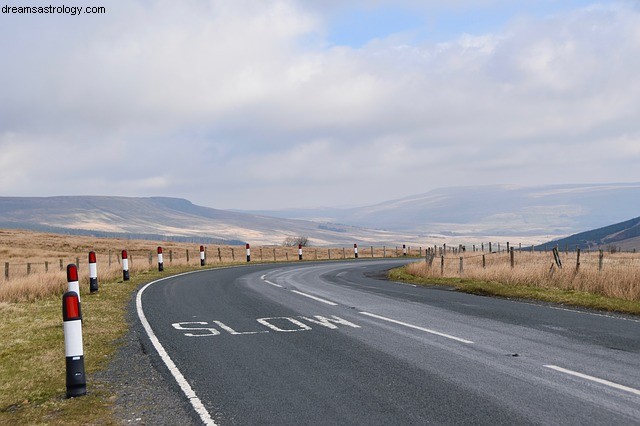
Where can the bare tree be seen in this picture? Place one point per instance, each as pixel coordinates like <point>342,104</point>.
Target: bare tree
<point>295,241</point>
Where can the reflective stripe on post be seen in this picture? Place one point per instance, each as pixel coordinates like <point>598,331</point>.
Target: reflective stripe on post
<point>74,353</point>
<point>93,272</point>
<point>72,279</point>
<point>355,250</point>
<point>299,251</point>
<point>125,266</point>
<point>201,255</point>
<point>248,253</point>
<point>160,262</point>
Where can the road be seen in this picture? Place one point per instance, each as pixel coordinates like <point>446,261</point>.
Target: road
<point>332,343</point>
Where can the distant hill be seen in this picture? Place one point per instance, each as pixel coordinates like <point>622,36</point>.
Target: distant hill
<point>622,236</point>
<point>532,212</point>
<point>171,218</point>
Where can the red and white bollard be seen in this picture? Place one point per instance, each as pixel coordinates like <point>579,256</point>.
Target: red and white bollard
<point>201,255</point>
<point>299,251</point>
<point>248,253</point>
<point>160,260</point>
<point>355,250</point>
<point>125,266</point>
<point>404,249</point>
<point>93,272</point>
<point>72,279</point>
<point>74,353</point>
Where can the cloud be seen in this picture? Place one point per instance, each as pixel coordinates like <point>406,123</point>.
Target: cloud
<point>215,101</point>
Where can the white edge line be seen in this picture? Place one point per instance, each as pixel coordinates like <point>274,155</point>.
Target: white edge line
<point>594,379</point>
<point>182,382</point>
<point>426,330</point>
<point>314,298</point>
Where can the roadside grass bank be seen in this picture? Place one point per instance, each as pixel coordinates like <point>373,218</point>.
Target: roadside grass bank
<point>32,358</point>
<point>416,274</point>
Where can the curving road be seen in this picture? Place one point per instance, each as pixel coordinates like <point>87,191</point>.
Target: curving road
<point>333,343</point>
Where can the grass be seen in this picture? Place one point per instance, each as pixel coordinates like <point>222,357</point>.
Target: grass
<point>32,359</point>
<point>615,289</point>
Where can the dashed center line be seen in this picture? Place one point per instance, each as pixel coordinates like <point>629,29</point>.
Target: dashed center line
<point>594,379</point>
<point>426,330</point>
<point>314,298</point>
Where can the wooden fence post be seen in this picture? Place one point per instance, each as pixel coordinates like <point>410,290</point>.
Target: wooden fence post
<point>329,254</point>
<point>170,256</point>
<point>6,270</point>
<point>461,270</point>
<point>442,265</point>
<point>484,262</point>
<point>274,255</point>
<point>61,267</point>
<point>511,255</point>
<point>46,266</point>
<point>600,258</point>
<point>384,251</point>
<point>187,255</point>
<point>219,255</point>
<point>233,254</point>
<point>28,268</point>
<point>372,252</point>
<point>109,258</point>
<point>344,253</point>
<point>577,260</point>
<point>260,254</point>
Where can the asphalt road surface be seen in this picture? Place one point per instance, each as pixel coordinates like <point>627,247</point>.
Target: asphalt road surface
<point>333,343</point>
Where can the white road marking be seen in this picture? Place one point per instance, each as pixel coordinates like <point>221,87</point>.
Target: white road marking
<point>594,379</point>
<point>233,332</point>
<point>263,278</point>
<point>330,322</point>
<point>182,382</point>
<point>582,312</point>
<point>314,298</point>
<point>302,326</point>
<point>426,330</point>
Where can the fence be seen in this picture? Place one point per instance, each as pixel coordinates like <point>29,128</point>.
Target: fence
<point>611,274</point>
<point>110,260</point>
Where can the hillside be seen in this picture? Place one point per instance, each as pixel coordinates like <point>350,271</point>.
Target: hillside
<point>624,236</point>
<point>177,219</point>
<point>532,212</point>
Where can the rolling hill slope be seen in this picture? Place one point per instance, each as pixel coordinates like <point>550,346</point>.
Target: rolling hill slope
<point>161,217</point>
<point>624,236</point>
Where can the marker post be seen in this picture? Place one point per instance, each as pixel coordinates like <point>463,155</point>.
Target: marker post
<point>93,272</point>
<point>74,353</point>
<point>160,260</point>
<point>125,266</point>
<point>355,250</point>
<point>201,255</point>
<point>248,253</point>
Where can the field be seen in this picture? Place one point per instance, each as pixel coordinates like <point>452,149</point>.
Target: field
<point>35,263</point>
<point>610,282</point>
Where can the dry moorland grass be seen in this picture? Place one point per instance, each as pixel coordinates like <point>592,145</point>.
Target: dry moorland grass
<point>37,261</point>
<point>619,277</point>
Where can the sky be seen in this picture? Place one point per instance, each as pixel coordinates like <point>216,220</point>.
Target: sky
<point>257,104</point>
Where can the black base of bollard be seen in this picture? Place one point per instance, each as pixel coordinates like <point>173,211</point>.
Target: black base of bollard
<point>76,380</point>
<point>93,285</point>
<point>125,275</point>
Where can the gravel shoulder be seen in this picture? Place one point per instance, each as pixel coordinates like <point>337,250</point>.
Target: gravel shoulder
<point>143,391</point>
